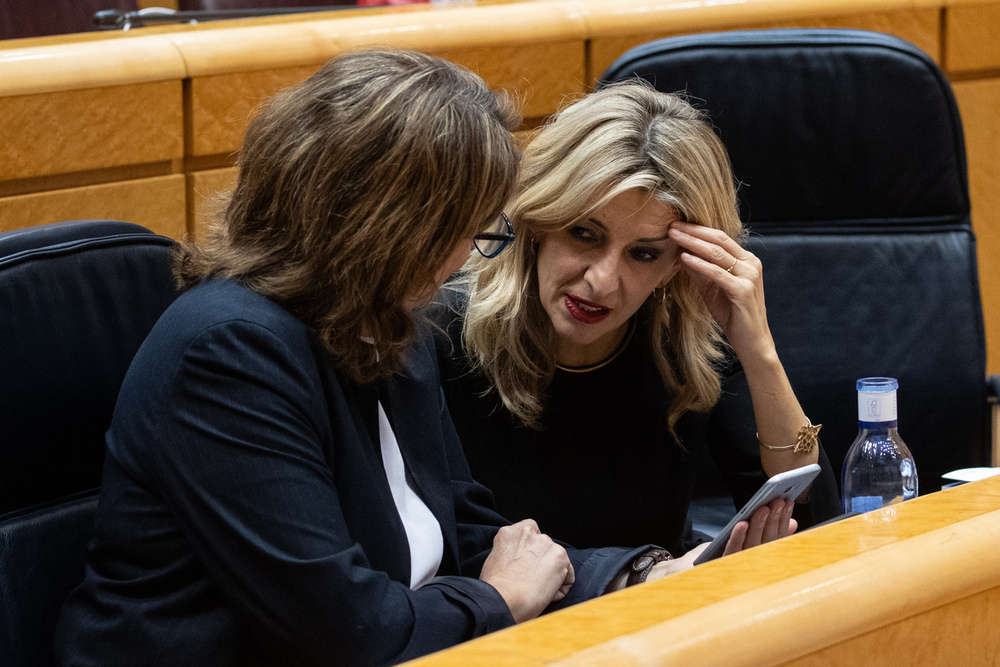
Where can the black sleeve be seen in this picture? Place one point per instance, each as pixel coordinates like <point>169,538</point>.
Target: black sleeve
<point>253,491</point>
<point>732,436</point>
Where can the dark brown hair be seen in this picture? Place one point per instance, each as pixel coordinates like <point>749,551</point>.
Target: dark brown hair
<point>354,186</point>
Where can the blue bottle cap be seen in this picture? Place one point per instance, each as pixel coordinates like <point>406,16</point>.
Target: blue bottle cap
<point>872,385</point>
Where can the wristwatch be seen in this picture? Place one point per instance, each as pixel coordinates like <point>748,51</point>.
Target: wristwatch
<point>643,564</point>
<point>638,570</point>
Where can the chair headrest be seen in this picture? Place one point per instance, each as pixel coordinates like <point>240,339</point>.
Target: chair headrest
<point>821,124</point>
<point>76,301</point>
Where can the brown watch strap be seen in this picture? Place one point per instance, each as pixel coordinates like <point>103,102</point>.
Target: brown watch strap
<point>643,564</point>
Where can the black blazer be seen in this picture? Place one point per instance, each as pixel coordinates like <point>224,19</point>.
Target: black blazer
<point>245,516</point>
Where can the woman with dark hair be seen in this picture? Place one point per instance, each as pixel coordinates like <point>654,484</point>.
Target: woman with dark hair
<point>592,366</point>
<point>283,483</point>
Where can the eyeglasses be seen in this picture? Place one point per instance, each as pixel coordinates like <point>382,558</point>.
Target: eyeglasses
<point>493,240</point>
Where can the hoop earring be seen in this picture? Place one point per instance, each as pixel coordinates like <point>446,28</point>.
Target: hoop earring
<point>662,296</point>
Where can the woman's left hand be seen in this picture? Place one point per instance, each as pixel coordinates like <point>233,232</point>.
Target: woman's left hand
<point>770,522</point>
<point>730,280</point>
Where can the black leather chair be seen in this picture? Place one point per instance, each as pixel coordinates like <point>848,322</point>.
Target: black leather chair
<point>76,301</point>
<point>849,150</point>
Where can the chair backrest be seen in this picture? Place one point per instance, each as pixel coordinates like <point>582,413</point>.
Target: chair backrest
<point>42,552</point>
<point>849,150</point>
<point>76,301</point>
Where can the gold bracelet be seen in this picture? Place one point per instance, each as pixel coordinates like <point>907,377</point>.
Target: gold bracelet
<point>805,442</point>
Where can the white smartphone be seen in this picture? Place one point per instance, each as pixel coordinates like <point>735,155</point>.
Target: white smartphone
<point>786,485</point>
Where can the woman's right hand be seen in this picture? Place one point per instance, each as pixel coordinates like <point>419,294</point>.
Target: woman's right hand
<point>528,569</point>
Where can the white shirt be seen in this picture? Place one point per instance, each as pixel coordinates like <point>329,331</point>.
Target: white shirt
<point>423,532</point>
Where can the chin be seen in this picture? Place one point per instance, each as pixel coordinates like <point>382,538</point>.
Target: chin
<point>581,338</point>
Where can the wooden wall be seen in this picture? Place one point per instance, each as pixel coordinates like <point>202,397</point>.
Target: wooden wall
<point>143,126</point>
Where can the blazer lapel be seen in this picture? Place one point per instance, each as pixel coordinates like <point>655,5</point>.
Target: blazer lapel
<point>414,411</point>
<point>365,497</point>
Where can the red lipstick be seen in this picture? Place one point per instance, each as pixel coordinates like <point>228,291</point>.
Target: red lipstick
<point>586,311</point>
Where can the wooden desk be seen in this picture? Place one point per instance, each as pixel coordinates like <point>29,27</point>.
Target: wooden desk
<point>917,583</point>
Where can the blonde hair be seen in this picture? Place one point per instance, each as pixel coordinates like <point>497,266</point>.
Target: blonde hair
<point>623,137</point>
<point>354,186</point>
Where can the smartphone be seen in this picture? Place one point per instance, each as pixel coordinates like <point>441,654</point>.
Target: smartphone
<point>785,485</point>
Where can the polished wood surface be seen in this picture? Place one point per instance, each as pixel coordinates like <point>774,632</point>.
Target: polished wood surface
<point>206,194</point>
<point>979,105</point>
<point>972,37</point>
<point>85,111</point>
<point>541,75</point>
<point>91,128</point>
<point>222,105</point>
<point>825,596</point>
<point>440,28</point>
<point>952,634</point>
<point>156,203</point>
<point>115,61</point>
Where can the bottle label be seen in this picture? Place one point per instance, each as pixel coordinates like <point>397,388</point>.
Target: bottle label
<point>866,503</point>
<point>877,406</point>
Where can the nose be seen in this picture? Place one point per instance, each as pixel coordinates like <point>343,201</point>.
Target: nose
<point>604,274</point>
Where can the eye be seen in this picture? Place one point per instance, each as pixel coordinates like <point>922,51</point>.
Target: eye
<point>582,234</point>
<point>645,255</point>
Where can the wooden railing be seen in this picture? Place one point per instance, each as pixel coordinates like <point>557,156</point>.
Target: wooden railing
<point>915,583</point>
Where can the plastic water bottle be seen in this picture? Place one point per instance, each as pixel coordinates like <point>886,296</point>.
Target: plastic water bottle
<point>879,469</point>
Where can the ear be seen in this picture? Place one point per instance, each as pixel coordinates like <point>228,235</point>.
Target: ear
<point>669,275</point>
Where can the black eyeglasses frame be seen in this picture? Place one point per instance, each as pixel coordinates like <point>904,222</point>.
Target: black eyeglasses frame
<point>504,238</point>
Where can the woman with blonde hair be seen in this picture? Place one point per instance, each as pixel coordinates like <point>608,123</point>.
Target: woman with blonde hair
<point>283,484</point>
<point>585,366</point>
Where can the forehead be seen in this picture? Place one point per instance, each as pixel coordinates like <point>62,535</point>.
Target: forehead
<point>636,213</point>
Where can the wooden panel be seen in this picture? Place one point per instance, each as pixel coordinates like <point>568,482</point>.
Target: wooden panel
<point>922,27</point>
<point>207,193</point>
<point>953,634</point>
<point>155,203</point>
<point>541,74</point>
<point>979,104</point>
<point>745,593</point>
<point>221,106</point>
<point>605,19</point>
<point>50,133</point>
<point>973,37</point>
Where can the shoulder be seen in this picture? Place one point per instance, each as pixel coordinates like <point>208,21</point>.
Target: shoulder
<point>223,302</point>
<point>224,358</point>
<point>221,327</point>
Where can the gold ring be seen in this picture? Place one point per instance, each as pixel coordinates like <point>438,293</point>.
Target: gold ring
<point>730,269</point>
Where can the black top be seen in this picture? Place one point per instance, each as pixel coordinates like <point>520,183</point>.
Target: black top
<point>604,467</point>
<point>245,516</point>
